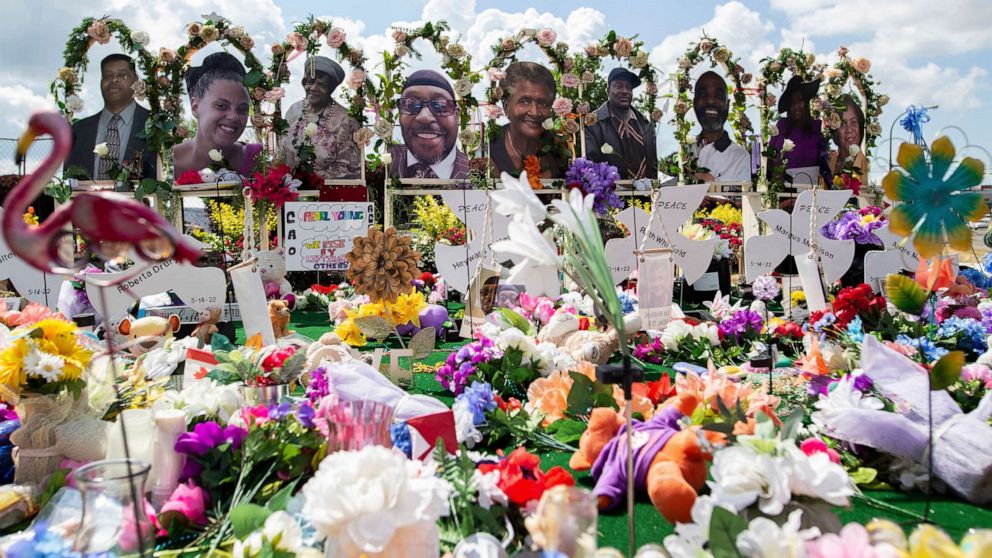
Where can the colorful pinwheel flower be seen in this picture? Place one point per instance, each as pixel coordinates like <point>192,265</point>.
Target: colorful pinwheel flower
<point>931,204</point>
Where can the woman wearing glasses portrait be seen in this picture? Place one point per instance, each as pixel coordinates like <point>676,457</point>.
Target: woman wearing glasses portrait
<point>429,126</point>
<point>529,91</point>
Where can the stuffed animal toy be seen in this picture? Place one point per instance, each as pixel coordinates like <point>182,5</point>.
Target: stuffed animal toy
<point>669,463</point>
<point>329,348</point>
<point>272,268</point>
<point>147,333</point>
<point>591,346</point>
<point>207,327</point>
<point>279,314</point>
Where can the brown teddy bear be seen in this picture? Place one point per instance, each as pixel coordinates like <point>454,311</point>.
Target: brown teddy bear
<point>279,314</point>
<point>669,462</point>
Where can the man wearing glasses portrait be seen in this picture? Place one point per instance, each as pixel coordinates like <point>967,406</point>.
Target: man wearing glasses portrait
<point>118,126</point>
<point>429,126</point>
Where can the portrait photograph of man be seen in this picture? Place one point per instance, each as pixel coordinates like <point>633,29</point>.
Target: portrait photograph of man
<point>622,136</point>
<point>428,116</point>
<point>724,160</point>
<point>117,125</point>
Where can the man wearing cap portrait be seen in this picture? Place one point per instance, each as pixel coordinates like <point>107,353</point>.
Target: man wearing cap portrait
<point>429,126</point>
<point>622,136</point>
<point>724,160</point>
<point>337,155</point>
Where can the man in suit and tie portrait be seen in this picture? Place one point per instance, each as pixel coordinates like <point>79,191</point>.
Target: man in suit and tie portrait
<point>429,125</point>
<point>117,125</point>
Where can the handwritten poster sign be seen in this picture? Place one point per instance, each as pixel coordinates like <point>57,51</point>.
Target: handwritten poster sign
<point>318,234</point>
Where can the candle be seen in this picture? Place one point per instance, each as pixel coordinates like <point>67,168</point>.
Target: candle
<point>167,462</point>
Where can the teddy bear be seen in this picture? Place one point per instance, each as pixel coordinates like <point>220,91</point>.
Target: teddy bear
<point>272,268</point>
<point>596,347</point>
<point>147,333</point>
<point>279,314</point>
<point>669,461</point>
<point>329,348</point>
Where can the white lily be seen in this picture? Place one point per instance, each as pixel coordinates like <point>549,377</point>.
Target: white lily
<point>215,155</point>
<point>576,214</point>
<point>517,200</point>
<point>528,243</point>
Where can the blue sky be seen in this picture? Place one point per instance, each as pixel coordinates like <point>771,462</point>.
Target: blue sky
<point>917,56</point>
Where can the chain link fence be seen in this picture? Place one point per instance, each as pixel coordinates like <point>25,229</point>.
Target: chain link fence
<point>36,154</point>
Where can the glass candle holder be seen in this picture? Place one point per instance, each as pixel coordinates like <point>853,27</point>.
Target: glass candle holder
<point>114,519</point>
<point>352,425</point>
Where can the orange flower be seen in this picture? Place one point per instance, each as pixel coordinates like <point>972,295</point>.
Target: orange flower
<point>533,167</point>
<point>935,277</point>
<point>813,364</point>
<point>550,396</point>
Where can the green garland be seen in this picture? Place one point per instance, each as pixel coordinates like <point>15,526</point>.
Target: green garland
<point>628,50</point>
<point>710,49</point>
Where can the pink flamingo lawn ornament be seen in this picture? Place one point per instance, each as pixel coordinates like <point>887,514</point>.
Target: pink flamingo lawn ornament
<point>111,223</point>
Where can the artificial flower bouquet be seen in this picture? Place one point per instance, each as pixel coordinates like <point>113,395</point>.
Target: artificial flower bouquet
<point>858,225</point>
<point>44,354</point>
<point>254,365</point>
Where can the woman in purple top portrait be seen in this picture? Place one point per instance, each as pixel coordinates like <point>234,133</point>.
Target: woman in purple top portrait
<point>219,102</point>
<point>809,145</point>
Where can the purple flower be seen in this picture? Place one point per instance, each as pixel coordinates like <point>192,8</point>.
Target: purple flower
<point>741,323</point>
<point>305,414</point>
<point>765,288</point>
<point>279,412</point>
<point>208,435</point>
<point>461,364</point>
<point>318,388</point>
<point>598,179</point>
<point>849,226</point>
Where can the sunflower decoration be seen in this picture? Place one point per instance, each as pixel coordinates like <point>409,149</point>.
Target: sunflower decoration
<point>932,204</point>
<point>44,358</point>
<point>382,265</point>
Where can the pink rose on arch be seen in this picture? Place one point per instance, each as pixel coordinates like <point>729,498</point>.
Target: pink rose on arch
<point>623,47</point>
<point>591,51</point>
<point>562,106</point>
<point>493,112</point>
<point>189,500</point>
<point>495,74</point>
<point>297,41</point>
<point>356,79</point>
<point>336,37</point>
<point>99,32</point>
<point>509,44</point>
<point>546,37</point>
<point>570,80</point>
<point>861,64</point>
<point>275,94</point>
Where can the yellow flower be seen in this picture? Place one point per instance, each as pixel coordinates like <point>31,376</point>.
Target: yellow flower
<point>434,218</point>
<point>727,214</point>
<point>59,338</point>
<point>368,309</point>
<point>773,324</point>
<point>407,308</point>
<point>350,333</point>
<point>797,298</point>
<point>928,541</point>
<point>30,217</point>
<point>869,218</point>
<point>12,364</point>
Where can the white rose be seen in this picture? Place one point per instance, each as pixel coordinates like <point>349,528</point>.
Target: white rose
<point>74,103</point>
<point>818,477</point>
<point>548,124</point>
<point>101,149</point>
<point>607,149</point>
<point>463,87</point>
<point>387,158</point>
<point>742,476</point>
<point>140,37</point>
<point>788,145</point>
<point>310,129</point>
<point>853,150</point>
<point>215,155</point>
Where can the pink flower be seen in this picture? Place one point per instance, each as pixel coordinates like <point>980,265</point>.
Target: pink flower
<point>562,106</point>
<point>861,64</point>
<point>189,500</point>
<point>356,79</point>
<point>978,372</point>
<point>623,47</point>
<point>544,310</point>
<point>495,74</point>
<point>904,350</point>
<point>570,80</point>
<point>128,535</point>
<point>99,32</point>
<point>493,112</point>
<point>297,41</point>
<point>853,542</point>
<point>812,446</point>
<point>546,37</point>
<point>528,303</point>
<point>275,94</point>
<point>336,37</point>
<point>257,415</point>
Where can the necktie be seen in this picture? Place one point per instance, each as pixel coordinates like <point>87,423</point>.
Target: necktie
<point>113,140</point>
<point>420,170</point>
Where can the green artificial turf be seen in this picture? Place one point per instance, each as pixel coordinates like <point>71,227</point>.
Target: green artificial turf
<point>904,508</point>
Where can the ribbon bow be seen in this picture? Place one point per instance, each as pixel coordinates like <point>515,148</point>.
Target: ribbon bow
<point>913,122</point>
